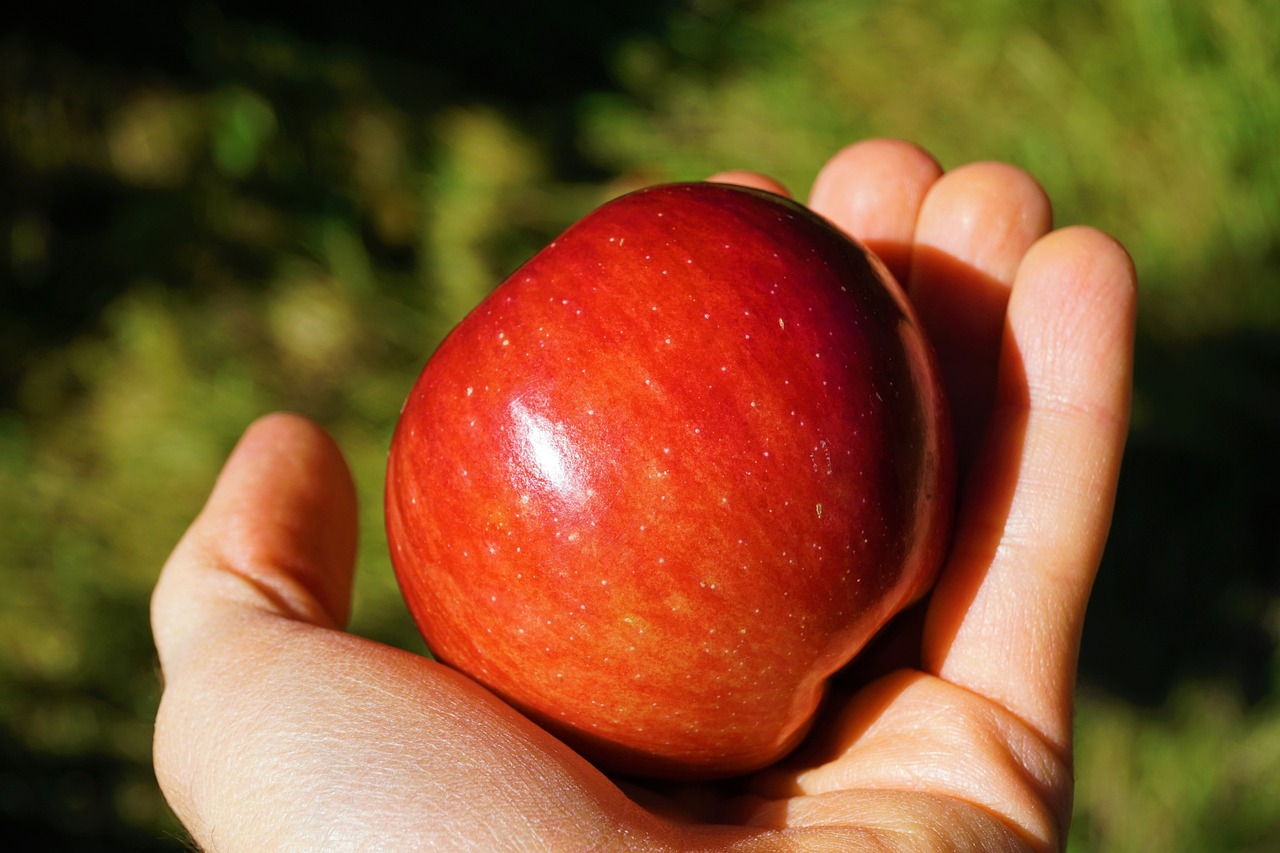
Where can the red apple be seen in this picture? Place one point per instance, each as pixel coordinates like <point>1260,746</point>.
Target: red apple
<point>671,475</point>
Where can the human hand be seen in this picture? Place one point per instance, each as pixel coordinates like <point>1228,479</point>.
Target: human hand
<point>278,730</point>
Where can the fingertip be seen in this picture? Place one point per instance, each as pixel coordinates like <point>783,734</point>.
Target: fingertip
<point>277,535</point>
<point>1091,254</point>
<point>291,432</point>
<point>985,213</point>
<point>886,155</point>
<point>753,180</point>
<point>873,190</point>
<point>285,486</point>
<point>1073,312</point>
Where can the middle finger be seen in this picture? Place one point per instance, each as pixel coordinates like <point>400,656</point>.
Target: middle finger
<point>975,224</point>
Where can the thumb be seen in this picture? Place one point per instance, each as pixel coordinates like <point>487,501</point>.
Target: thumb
<point>277,536</point>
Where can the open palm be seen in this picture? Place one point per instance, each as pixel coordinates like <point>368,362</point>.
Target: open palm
<point>278,730</point>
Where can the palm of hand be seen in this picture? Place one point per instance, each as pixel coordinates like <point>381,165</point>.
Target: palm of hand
<point>277,729</point>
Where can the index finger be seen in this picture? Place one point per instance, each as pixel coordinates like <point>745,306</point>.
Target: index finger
<point>1006,616</point>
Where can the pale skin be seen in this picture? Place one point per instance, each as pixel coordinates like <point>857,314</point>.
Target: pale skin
<point>280,731</point>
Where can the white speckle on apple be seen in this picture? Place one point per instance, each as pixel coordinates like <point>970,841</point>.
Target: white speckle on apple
<point>818,507</point>
<point>470,390</point>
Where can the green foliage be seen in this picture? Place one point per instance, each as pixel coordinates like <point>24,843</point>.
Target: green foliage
<point>249,218</point>
<point>1199,774</point>
<point>1153,120</point>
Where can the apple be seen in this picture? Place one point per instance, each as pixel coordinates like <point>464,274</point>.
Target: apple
<point>671,475</point>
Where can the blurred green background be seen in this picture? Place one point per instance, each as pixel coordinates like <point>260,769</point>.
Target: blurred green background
<point>210,211</point>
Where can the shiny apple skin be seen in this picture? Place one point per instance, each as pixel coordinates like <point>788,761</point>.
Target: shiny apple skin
<point>671,475</point>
